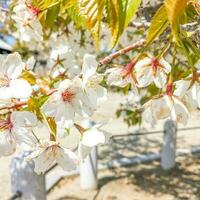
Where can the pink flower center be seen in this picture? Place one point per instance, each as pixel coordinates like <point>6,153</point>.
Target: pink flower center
<point>169,90</point>
<point>127,70</point>
<point>68,96</point>
<point>6,124</point>
<point>155,64</point>
<point>34,10</point>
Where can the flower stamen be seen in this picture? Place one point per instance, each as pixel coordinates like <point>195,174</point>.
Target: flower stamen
<point>169,90</point>
<point>67,95</point>
<point>6,124</point>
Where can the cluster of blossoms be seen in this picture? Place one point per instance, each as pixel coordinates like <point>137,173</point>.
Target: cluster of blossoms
<point>28,25</point>
<point>62,95</point>
<point>65,104</point>
<point>59,96</point>
<point>176,99</point>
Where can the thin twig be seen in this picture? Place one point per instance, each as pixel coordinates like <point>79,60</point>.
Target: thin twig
<point>125,50</point>
<point>143,24</point>
<point>16,106</point>
<point>4,10</point>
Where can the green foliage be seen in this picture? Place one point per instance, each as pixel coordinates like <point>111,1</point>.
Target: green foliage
<point>89,14</point>
<point>29,76</point>
<point>175,10</point>
<point>35,104</point>
<point>159,23</point>
<point>131,117</point>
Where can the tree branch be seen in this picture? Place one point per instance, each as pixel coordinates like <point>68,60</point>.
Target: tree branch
<point>125,50</point>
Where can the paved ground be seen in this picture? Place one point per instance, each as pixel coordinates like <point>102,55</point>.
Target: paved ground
<point>141,182</point>
<point>121,146</point>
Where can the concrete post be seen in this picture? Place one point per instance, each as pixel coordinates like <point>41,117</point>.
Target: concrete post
<point>168,153</point>
<point>88,172</point>
<point>25,181</point>
<point>88,168</point>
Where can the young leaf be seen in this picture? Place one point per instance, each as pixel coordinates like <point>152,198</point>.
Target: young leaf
<point>115,19</point>
<point>118,15</point>
<point>159,23</point>
<point>130,8</point>
<point>175,9</point>
<point>92,11</point>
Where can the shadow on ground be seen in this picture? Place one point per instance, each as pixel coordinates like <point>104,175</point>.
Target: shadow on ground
<point>146,181</point>
<point>129,146</point>
<point>182,182</point>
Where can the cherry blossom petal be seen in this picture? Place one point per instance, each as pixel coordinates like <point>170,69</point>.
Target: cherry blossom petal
<point>166,65</point>
<point>13,65</point>
<point>181,87</point>
<point>50,109</point>
<point>63,125</point>
<point>93,137</point>
<point>65,111</point>
<point>89,66</point>
<point>30,63</point>
<point>147,115</point>
<point>142,63</point>
<point>96,96</point>
<point>67,159</point>
<point>20,88</point>
<point>160,79</point>
<point>145,78</point>
<point>115,77</point>
<point>43,160</point>
<point>179,112</point>
<point>5,93</point>
<point>24,118</point>
<point>161,107</point>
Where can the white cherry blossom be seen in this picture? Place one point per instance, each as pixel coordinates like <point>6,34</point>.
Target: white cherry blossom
<point>90,138</point>
<point>189,90</point>
<point>28,25</point>
<point>30,63</point>
<point>122,76</point>
<point>16,129</point>
<point>62,58</point>
<point>167,105</point>
<point>149,70</point>
<point>95,93</point>
<point>65,102</point>
<point>11,85</point>
<point>49,153</point>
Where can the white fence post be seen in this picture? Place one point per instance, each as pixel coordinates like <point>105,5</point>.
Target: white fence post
<point>168,153</point>
<point>88,168</point>
<point>25,181</point>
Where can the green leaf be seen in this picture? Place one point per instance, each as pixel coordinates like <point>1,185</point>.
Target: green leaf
<point>51,15</point>
<point>92,11</point>
<point>118,14</point>
<point>27,75</point>
<point>130,8</point>
<point>115,21</point>
<point>159,23</point>
<point>175,9</point>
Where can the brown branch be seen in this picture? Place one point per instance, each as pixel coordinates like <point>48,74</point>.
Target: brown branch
<point>15,106</point>
<point>125,50</point>
<point>143,24</point>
